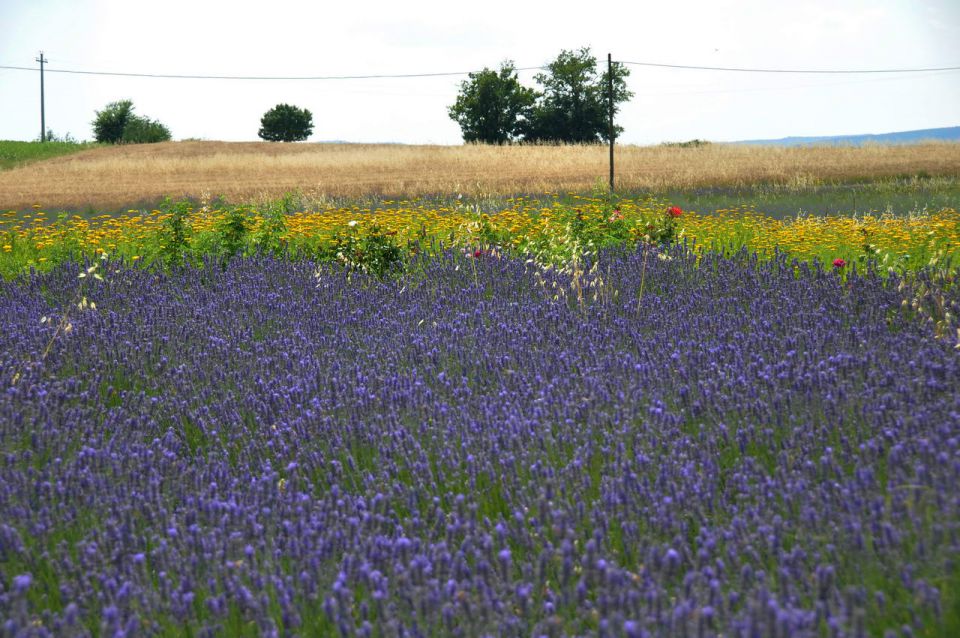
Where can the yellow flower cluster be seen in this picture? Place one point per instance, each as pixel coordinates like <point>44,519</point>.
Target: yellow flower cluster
<point>892,237</point>
<point>30,239</point>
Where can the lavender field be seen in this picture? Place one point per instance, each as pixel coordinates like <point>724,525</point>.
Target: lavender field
<point>750,449</point>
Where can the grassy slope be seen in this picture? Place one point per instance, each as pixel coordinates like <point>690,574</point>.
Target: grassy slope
<point>15,154</point>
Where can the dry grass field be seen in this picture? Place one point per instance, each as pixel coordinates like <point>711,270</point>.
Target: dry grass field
<point>117,177</point>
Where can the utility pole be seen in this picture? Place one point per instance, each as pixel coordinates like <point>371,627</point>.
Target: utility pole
<point>610,100</point>
<point>43,117</point>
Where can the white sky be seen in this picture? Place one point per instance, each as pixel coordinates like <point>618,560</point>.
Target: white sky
<point>343,37</point>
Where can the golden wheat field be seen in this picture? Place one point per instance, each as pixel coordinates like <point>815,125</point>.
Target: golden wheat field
<point>116,177</point>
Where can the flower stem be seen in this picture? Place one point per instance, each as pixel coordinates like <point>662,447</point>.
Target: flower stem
<point>643,273</point>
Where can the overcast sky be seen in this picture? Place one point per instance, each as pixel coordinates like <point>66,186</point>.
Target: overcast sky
<point>286,38</point>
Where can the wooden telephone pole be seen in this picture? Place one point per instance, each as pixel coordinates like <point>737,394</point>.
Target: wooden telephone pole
<point>610,100</point>
<point>43,117</point>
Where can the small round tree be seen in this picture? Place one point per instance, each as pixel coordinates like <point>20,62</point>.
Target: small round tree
<point>285,123</point>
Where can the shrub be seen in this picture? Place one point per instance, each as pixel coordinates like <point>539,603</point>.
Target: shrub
<point>176,232</point>
<point>142,130</point>
<point>109,123</point>
<point>374,252</point>
<point>233,231</point>
<point>268,237</point>
<point>52,137</point>
<point>117,124</point>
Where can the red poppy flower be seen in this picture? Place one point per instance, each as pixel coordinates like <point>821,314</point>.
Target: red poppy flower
<point>675,211</point>
<point>839,263</point>
<point>477,253</point>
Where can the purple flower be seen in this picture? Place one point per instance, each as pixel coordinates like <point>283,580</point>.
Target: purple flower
<point>476,449</point>
<point>672,559</point>
<point>21,582</point>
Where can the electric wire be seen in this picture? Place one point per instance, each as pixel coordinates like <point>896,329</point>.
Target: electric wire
<point>385,76</point>
<point>259,77</point>
<point>805,71</point>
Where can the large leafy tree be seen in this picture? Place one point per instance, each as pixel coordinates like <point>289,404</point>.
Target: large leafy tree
<point>493,107</point>
<point>286,123</point>
<point>574,106</point>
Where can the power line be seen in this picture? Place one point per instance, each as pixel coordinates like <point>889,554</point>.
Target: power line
<point>261,77</point>
<point>807,71</point>
<point>384,76</point>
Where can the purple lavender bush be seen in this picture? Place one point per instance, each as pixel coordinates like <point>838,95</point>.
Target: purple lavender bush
<point>750,449</point>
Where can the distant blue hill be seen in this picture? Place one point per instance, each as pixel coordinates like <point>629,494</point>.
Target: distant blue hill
<point>950,134</point>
